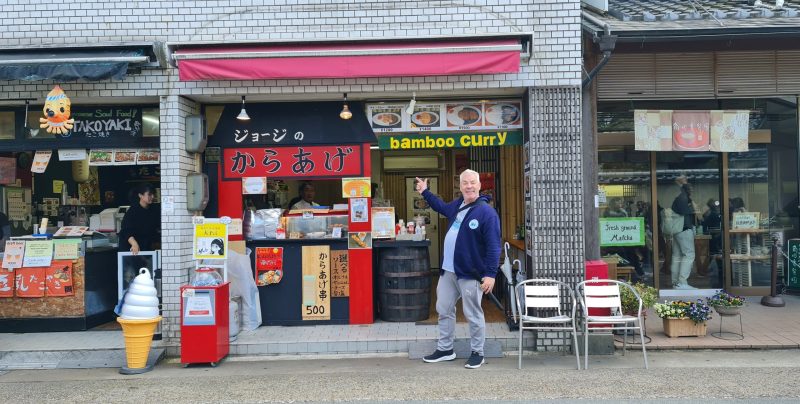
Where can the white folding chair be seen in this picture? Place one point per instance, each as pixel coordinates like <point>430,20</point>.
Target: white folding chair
<point>604,294</point>
<point>544,296</point>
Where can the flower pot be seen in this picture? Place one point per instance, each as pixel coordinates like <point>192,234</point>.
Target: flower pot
<point>683,327</point>
<point>727,310</point>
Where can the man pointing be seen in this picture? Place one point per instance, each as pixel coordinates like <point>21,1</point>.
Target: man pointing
<point>469,265</point>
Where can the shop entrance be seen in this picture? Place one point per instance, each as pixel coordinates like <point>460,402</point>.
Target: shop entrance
<point>416,206</point>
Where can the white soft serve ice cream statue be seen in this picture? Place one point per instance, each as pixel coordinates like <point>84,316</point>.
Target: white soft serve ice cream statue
<point>141,300</point>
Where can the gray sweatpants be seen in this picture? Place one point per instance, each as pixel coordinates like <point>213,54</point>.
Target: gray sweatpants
<point>448,291</point>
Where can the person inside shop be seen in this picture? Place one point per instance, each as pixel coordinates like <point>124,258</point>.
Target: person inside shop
<point>683,241</point>
<point>628,255</point>
<point>141,222</point>
<point>712,225</point>
<point>469,265</point>
<point>305,197</point>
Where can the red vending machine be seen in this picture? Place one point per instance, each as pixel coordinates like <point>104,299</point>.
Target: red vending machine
<point>204,323</point>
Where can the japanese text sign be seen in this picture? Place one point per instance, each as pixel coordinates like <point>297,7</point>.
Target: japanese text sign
<point>293,161</point>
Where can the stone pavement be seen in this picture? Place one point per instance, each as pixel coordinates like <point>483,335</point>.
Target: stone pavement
<point>764,328</point>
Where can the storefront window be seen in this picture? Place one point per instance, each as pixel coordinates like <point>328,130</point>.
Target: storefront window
<point>626,243</point>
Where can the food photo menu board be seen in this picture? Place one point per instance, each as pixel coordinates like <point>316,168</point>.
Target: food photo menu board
<point>446,116</point>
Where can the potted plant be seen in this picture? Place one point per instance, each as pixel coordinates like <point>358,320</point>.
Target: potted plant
<point>683,318</point>
<point>630,304</point>
<point>726,304</point>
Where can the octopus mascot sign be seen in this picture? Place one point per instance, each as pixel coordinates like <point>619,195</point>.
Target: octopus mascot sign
<point>56,112</point>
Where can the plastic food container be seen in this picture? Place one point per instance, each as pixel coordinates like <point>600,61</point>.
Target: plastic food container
<point>206,277</point>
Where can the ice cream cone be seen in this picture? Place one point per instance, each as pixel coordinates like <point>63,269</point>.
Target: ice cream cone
<point>138,336</point>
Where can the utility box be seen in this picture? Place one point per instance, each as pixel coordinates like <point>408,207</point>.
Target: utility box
<point>204,323</point>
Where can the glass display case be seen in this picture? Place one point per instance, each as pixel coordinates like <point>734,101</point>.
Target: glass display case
<point>316,226</point>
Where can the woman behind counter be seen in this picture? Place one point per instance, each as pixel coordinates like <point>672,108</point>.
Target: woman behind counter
<point>141,222</point>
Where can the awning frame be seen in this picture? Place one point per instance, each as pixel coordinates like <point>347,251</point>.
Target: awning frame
<point>524,47</point>
<point>153,58</point>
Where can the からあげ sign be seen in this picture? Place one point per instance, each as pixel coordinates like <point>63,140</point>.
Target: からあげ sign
<point>449,140</point>
<point>293,161</point>
<point>621,231</point>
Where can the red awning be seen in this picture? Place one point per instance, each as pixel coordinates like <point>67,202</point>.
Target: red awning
<point>349,60</point>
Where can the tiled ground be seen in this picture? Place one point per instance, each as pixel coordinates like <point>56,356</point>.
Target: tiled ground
<point>764,328</point>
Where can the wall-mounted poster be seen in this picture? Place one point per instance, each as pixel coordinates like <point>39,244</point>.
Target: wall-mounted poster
<point>383,222</point>
<point>99,157</point>
<point>148,156</point>
<point>502,114</point>
<point>125,157</point>
<point>254,185</point>
<point>426,117</point>
<point>464,116</point>
<point>12,257</point>
<point>358,187</point>
<point>359,212</point>
<point>269,265</point>
<point>340,273</point>
<point>40,161</point>
<point>210,240</point>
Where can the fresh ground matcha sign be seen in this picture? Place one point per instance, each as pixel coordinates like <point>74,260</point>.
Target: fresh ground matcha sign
<point>621,231</point>
<point>412,141</point>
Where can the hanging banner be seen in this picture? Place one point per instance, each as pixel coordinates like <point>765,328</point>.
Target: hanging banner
<point>58,279</point>
<point>293,161</point>
<point>269,265</point>
<point>690,130</point>
<point>29,282</point>
<point>316,301</point>
<point>652,130</point>
<point>730,131</point>
<point>7,284</point>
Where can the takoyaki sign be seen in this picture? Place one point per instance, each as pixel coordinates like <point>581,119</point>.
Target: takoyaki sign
<point>446,116</point>
<point>413,141</point>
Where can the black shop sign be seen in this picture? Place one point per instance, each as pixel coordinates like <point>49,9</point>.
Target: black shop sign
<point>105,123</point>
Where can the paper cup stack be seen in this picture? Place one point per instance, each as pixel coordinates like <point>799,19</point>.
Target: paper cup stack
<point>139,318</point>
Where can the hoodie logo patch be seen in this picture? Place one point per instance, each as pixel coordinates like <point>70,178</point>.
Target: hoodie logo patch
<point>473,224</point>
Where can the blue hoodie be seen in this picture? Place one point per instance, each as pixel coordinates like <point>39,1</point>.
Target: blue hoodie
<point>478,248</point>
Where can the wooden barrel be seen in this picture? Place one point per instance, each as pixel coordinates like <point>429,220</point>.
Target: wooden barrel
<point>404,284</point>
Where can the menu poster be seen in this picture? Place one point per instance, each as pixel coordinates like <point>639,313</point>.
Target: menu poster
<point>316,283</point>
<point>40,161</point>
<point>358,210</point>
<point>385,117</point>
<point>18,207</point>
<point>58,279</point>
<point>38,253</point>
<point>30,282</point>
<point>340,274</point>
<point>254,185</point>
<point>358,187</point>
<point>383,222</point>
<point>101,157</point>
<point>148,156</point>
<point>7,284</point>
<point>125,157</point>
<point>71,231</point>
<point>66,249</point>
<point>269,265</point>
<point>8,170</point>
<point>12,257</point>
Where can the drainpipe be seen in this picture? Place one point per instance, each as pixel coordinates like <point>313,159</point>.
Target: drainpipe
<point>605,42</point>
<point>591,218</point>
